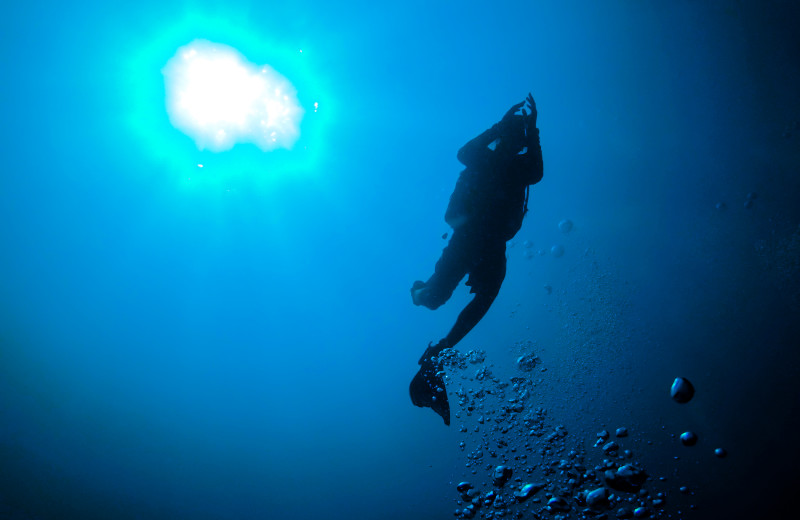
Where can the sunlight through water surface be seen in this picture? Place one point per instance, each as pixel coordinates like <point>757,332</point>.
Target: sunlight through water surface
<point>218,98</point>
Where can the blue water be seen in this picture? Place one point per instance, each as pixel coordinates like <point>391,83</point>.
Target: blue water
<point>242,348</point>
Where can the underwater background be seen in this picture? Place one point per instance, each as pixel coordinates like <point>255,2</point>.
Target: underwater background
<point>236,341</point>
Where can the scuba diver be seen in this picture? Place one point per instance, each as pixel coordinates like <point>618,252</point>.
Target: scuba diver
<point>485,211</point>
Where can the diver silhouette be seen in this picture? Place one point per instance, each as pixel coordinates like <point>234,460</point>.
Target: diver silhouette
<point>485,211</point>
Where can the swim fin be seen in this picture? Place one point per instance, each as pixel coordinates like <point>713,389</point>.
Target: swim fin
<point>427,388</point>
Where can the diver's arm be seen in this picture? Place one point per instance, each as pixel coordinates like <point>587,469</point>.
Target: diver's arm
<point>457,213</point>
<point>533,165</point>
<point>476,152</point>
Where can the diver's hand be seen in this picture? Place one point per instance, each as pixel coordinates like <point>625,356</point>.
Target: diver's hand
<point>530,118</point>
<point>511,111</point>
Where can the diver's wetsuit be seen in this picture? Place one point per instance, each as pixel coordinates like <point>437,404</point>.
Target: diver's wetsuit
<point>485,211</point>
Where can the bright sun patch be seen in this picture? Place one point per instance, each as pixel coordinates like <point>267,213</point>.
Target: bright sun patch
<point>233,98</point>
<point>218,98</point>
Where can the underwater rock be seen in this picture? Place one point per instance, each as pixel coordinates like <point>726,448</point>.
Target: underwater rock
<point>682,390</point>
<point>557,250</point>
<point>721,453</point>
<point>463,487</point>
<point>565,226</point>
<point>689,438</point>
<point>621,432</point>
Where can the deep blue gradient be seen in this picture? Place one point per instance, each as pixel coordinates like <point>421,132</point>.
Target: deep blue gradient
<point>242,349</point>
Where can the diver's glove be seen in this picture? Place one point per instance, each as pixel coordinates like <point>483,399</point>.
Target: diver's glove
<point>512,122</point>
<point>530,113</point>
<point>512,112</point>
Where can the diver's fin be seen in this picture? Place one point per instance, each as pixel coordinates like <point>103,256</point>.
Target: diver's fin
<point>427,390</point>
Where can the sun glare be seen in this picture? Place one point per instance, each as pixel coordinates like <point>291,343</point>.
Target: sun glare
<point>218,98</point>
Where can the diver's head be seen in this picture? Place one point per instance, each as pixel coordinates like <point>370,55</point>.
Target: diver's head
<point>512,135</point>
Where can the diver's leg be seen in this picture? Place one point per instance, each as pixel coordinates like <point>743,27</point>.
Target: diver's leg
<point>427,388</point>
<point>470,316</point>
<point>486,280</point>
<point>450,269</point>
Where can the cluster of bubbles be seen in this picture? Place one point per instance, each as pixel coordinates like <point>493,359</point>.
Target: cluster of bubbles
<point>749,200</point>
<point>522,465</point>
<point>682,392</point>
<point>556,250</point>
